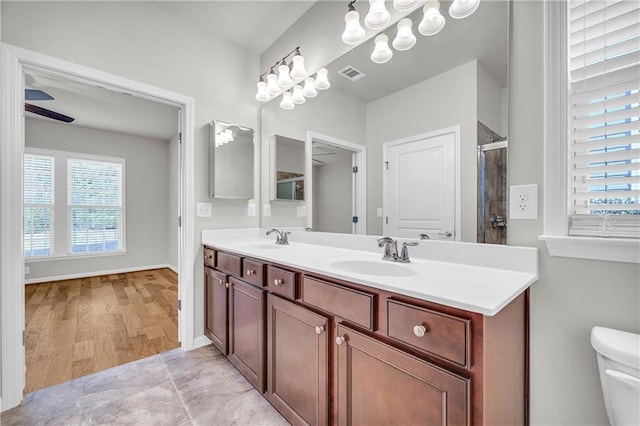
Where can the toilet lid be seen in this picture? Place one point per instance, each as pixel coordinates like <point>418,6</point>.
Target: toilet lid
<point>617,345</point>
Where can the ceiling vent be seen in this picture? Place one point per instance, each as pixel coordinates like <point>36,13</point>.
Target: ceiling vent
<point>351,73</point>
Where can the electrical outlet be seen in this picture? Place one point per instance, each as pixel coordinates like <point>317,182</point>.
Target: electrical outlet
<point>266,210</point>
<point>379,212</point>
<point>203,209</point>
<point>251,210</point>
<point>523,202</point>
<point>27,270</point>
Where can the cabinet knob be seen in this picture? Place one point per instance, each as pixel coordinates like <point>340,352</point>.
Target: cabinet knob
<point>250,272</point>
<point>226,285</point>
<point>340,340</point>
<point>278,282</point>
<point>221,281</point>
<point>419,330</point>
<point>319,329</point>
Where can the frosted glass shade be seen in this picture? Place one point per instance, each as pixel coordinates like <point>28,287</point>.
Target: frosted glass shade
<point>287,101</point>
<point>404,39</point>
<point>297,97</point>
<point>462,8</point>
<point>432,21</point>
<point>309,89</point>
<point>322,81</point>
<point>353,31</point>
<point>261,94</point>
<point>404,5</point>
<point>298,71</point>
<point>272,85</point>
<point>284,78</point>
<point>378,15</point>
<point>381,53</point>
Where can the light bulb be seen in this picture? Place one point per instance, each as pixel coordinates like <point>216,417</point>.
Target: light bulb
<point>287,102</point>
<point>261,94</point>
<point>297,97</point>
<point>228,135</point>
<point>462,8</point>
<point>322,82</point>
<point>405,5</point>
<point>432,21</point>
<point>309,89</point>
<point>378,15</point>
<point>405,39</point>
<point>284,78</point>
<point>298,71</point>
<point>381,53</point>
<point>353,31</point>
<point>273,89</point>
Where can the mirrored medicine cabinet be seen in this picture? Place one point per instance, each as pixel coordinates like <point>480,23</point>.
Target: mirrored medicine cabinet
<point>231,161</point>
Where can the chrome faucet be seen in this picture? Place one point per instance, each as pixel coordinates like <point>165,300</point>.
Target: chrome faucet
<point>282,236</point>
<point>424,237</point>
<point>391,250</point>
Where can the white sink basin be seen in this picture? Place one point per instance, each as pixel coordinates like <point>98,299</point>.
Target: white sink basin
<point>374,267</point>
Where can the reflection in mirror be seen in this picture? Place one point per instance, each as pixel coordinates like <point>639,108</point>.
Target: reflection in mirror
<point>288,169</point>
<point>455,79</point>
<point>231,161</point>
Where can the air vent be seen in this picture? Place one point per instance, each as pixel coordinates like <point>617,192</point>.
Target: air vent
<point>351,73</point>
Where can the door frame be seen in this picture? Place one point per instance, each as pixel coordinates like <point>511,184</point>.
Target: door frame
<point>455,130</point>
<point>359,181</point>
<point>13,63</point>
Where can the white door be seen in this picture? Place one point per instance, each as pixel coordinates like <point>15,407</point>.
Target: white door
<point>419,184</point>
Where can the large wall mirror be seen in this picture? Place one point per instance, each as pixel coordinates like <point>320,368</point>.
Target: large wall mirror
<point>433,120</point>
<point>231,161</point>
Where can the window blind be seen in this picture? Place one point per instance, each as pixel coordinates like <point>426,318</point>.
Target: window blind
<point>95,205</point>
<point>38,205</point>
<point>604,111</point>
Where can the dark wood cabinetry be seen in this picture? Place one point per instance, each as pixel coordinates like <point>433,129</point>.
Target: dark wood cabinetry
<point>216,296</point>
<point>297,362</point>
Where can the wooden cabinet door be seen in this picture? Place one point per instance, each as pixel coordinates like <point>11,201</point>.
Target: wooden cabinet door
<point>247,331</point>
<point>380,385</point>
<point>216,329</point>
<point>297,362</point>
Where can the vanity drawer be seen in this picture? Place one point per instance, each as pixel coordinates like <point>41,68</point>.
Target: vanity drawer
<point>209,257</point>
<point>281,281</point>
<point>229,263</point>
<point>439,334</point>
<point>355,306</point>
<point>253,271</point>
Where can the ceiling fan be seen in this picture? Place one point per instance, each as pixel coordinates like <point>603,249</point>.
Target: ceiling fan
<point>39,95</point>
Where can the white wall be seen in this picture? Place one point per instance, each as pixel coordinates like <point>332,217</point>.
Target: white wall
<point>172,218</point>
<point>143,42</point>
<point>445,100</point>
<point>571,295</point>
<point>146,190</point>
<point>489,100</point>
<point>333,195</point>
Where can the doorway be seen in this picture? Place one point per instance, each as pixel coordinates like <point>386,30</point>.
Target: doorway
<point>420,192</point>
<point>15,63</point>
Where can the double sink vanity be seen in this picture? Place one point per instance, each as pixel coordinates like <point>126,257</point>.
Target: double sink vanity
<point>330,333</point>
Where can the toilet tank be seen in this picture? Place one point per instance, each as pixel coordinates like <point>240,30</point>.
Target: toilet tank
<point>618,355</point>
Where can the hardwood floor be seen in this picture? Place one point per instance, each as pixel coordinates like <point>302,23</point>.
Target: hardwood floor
<point>77,327</point>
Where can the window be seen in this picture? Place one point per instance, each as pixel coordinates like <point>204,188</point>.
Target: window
<point>592,138</point>
<point>38,205</point>
<point>87,208</point>
<point>94,205</point>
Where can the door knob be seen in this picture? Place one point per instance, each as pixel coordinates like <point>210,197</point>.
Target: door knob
<point>445,233</point>
<point>319,329</point>
<point>419,330</point>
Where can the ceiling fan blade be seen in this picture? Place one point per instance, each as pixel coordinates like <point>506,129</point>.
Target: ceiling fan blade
<point>36,95</point>
<point>48,113</point>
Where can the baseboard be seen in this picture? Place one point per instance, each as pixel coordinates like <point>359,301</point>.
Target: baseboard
<point>94,273</point>
<point>173,268</point>
<point>201,341</point>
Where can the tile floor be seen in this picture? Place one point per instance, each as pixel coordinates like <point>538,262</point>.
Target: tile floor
<point>199,387</point>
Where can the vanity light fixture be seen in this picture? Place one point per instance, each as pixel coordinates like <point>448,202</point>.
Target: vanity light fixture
<point>273,89</point>
<point>223,137</point>
<point>382,53</point>
<point>322,81</point>
<point>297,97</point>
<point>432,21</point>
<point>287,101</point>
<point>462,8</point>
<point>353,31</point>
<point>405,39</point>
<point>284,77</point>
<point>309,89</point>
<point>404,5</point>
<point>378,16</point>
<point>298,71</point>
<point>262,94</point>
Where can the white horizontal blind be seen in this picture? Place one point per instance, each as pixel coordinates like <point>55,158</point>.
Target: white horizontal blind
<point>38,205</point>
<point>604,131</point>
<point>94,205</point>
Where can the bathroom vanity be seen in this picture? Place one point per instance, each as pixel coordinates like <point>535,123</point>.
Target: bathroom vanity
<point>329,343</point>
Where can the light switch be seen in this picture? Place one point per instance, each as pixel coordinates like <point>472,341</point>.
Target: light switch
<point>523,202</point>
<point>203,209</point>
<point>266,210</point>
<point>379,211</point>
<point>251,210</point>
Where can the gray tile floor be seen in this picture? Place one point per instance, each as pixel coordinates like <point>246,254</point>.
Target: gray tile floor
<point>199,387</point>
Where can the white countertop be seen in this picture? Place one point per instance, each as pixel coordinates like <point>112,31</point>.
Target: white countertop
<point>475,277</point>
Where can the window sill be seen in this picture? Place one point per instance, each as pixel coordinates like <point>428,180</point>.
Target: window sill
<point>74,256</point>
<point>594,248</point>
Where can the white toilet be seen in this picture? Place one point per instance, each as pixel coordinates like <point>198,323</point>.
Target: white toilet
<point>619,365</point>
